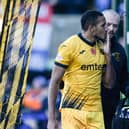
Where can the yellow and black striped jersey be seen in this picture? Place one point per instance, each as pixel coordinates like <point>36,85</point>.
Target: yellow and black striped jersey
<point>84,63</point>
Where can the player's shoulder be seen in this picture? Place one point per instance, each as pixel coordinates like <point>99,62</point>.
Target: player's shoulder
<point>72,41</point>
<point>72,38</point>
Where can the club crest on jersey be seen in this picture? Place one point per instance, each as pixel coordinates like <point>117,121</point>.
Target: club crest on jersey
<point>117,56</point>
<point>93,51</point>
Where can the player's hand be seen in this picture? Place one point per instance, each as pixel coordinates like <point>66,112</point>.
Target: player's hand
<point>107,44</point>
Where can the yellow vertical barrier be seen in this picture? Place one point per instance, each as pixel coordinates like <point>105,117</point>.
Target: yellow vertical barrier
<point>18,29</point>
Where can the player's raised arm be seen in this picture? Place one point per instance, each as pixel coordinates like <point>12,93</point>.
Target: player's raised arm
<point>109,75</point>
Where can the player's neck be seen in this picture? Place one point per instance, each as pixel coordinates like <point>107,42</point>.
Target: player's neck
<point>88,37</point>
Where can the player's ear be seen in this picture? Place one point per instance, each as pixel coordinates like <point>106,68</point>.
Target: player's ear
<point>92,29</point>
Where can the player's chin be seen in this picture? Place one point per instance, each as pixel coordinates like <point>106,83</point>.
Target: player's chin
<point>103,37</point>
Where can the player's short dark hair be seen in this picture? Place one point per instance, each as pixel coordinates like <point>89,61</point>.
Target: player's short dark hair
<point>89,18</point>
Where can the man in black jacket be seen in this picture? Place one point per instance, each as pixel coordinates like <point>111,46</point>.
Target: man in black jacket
<point>111,97</point>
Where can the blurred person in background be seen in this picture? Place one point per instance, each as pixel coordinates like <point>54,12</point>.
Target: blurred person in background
<point>111,97</point>
<point>35,101</point>
<point>51,2</point>
<point>71,7</point>
<point>81,65</point>
<point>102,4</point>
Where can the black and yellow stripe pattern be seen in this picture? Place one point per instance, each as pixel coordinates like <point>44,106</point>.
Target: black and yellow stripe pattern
<point>17,34</point>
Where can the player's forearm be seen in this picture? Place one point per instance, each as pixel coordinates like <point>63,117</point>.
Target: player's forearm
<point>110,75</point>
<point>52,95</point>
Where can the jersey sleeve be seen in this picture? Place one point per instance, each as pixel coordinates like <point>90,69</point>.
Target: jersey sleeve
<point>64,55</point>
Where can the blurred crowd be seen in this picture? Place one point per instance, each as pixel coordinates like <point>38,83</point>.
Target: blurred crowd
<point>79,6</point>
<point>34,111</point>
